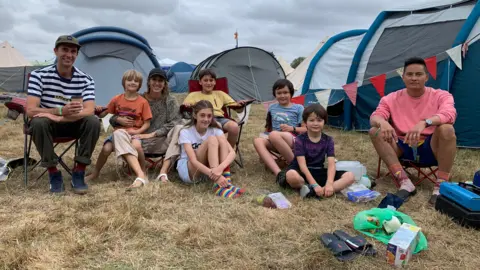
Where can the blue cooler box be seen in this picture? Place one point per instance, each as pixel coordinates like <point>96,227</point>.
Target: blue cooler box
<point>461,202</point>
<point>463,194</point>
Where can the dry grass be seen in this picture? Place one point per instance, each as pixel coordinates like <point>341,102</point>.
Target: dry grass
<point>174,226</point>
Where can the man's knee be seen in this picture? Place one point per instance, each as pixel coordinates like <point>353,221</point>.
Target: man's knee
<point>40,123</point>
<point>446,132</point>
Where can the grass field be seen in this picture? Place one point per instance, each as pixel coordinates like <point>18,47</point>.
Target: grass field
<point>173,226</point>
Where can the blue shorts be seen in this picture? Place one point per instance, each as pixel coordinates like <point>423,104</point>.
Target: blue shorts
<point>222,120</point>
<point>108,139</point>
<point>424,152</point>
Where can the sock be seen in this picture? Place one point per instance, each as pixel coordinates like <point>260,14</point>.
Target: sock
<point>80,167</point>
<point>441,177</point>
<point>230,191</point>
<point>52,170</point>
<point>226,173</point>
<point>399,173</point>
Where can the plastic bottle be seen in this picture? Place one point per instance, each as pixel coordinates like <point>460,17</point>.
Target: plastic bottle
<point>364,180</point>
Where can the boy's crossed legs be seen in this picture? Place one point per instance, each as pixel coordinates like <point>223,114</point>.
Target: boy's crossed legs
<point>296,180</point>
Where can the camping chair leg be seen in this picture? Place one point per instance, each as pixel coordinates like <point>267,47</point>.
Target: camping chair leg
<point>61,162</point>
<point>240,158</point>
<point>26,155</point>
<point>378,167</point>
<point>237,146</point>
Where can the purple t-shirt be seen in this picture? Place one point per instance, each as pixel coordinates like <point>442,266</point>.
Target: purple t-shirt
<point>314,153</point>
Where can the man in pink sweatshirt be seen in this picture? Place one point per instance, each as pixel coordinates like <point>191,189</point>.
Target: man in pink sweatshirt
<point>415,116</point>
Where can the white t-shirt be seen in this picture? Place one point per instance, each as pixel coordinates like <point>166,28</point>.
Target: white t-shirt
<point>190,135</point>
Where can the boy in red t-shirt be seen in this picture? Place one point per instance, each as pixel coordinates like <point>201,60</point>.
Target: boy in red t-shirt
<point>130,105</point>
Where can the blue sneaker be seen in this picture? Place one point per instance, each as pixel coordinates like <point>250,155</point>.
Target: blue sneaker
<point>56,182</point>
<point>78,183</point>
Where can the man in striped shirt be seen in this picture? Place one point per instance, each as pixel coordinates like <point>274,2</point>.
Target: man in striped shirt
<point>61,103</point>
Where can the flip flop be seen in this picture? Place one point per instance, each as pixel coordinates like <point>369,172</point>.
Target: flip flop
<point>143,181</point>
<point>340,249</point>
<point>405,194</point>
<point>160,177</point>
<point>358,243</point>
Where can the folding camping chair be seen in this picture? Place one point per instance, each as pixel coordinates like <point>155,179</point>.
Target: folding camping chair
<point>222,85</point>
<point>428,174</point>
<point>17,106</point>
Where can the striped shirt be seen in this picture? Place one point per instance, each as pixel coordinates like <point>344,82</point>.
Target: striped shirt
<point>56,91</point>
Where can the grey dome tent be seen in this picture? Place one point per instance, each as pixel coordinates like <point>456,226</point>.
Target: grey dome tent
<point>250,71</point>
<point>107,52</point>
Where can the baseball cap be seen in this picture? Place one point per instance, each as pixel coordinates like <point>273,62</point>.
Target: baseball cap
<point>157,72</point>
<point>67,39</point>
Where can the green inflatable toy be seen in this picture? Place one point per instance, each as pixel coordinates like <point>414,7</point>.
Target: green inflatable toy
<point>369,222</point>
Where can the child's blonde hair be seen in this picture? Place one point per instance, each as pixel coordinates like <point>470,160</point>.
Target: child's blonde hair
<point>132,75</point>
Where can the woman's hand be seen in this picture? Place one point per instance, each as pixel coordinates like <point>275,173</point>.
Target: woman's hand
<point>222,182</point>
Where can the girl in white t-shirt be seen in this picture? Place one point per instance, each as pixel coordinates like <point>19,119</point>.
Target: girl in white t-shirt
<point>206,152</point>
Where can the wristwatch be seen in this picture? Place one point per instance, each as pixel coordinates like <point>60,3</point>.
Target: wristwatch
<point>428,122</point>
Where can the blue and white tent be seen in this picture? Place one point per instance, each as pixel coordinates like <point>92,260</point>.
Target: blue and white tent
<point>178,76</point>
<point>328,70</point>
<point>107,52</point>
<point>423,31</point>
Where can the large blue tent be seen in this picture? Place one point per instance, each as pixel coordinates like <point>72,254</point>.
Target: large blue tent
<point>178,76</point>
<point>107,52</point>
<point>425,30</point>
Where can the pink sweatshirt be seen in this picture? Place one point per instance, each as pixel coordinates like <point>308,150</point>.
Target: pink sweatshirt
<point>406,111</point>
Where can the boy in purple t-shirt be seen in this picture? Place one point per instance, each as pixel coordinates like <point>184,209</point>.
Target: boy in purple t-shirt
<point>307,171</point>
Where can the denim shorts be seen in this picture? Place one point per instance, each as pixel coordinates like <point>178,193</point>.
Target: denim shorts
<point>222,120</point>
<point>182,169</point>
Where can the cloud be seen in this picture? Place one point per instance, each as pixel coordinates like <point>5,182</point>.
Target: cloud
<point>153,7</point>
<point>190,30</point>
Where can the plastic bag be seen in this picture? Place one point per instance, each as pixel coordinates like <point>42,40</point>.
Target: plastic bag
<point>370,223</point>
<point>4,170</point>
<point>359,193</point>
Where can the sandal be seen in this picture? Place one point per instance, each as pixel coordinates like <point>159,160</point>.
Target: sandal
<point>141,180</point>
<point>357,243</point>
<point>340,249</point>
<point>160,177</point>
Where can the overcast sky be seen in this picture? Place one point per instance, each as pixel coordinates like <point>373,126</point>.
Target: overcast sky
<point>190,30</point>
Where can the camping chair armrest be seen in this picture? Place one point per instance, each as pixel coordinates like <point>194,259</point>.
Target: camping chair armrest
<point>184,108</point>
<point>17,106</point>
<point>100,111</point>
<point>237,106</point>
<point>186,111</point>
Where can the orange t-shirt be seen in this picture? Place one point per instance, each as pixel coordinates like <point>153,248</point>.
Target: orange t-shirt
<point>138,109</point>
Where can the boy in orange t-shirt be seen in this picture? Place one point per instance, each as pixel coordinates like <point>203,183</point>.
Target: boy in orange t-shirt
<point>134,111</point>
